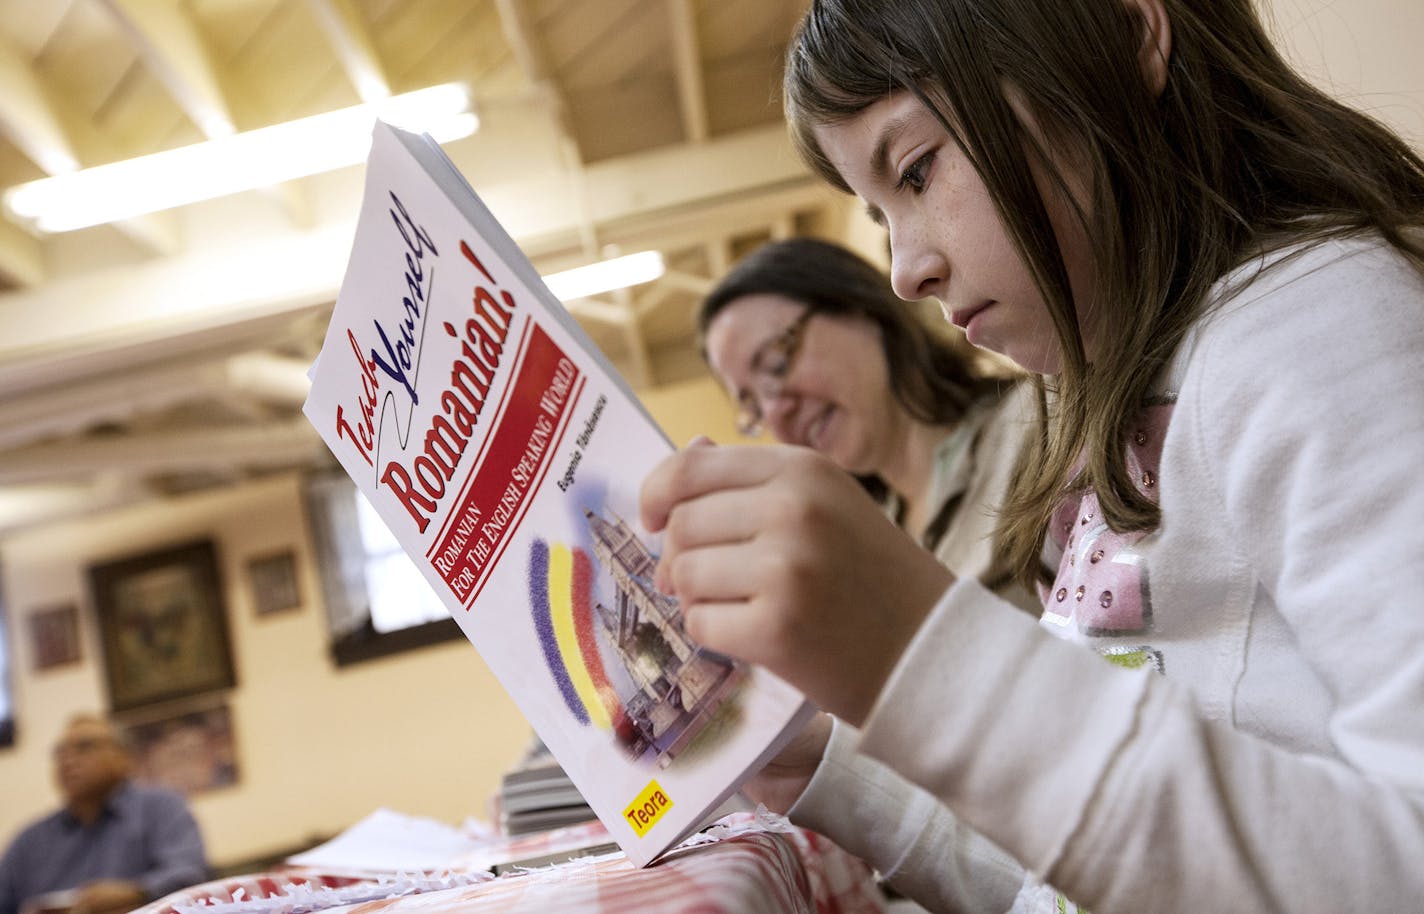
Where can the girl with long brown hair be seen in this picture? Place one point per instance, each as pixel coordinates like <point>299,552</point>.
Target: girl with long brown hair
<point>1217,272</point>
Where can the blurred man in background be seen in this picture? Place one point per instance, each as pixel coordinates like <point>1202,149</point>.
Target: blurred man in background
<point>115,845</point>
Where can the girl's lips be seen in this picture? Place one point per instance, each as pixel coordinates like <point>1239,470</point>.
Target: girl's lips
<point>963,316</point>
<point>964,319</point>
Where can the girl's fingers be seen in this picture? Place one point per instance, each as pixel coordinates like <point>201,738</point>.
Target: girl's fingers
<point>780,558</point>
<point>733,627</point>
<point>711,573</point>
<point>724,516</point>
<point>705,497</point>
<point>701,470</point>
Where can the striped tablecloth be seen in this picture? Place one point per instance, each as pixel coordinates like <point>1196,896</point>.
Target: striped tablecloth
<point>740,866</point>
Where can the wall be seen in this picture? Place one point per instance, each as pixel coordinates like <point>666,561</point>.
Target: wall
<point>427,732</point>
<point>1365,52</point>
<point>693,408</point>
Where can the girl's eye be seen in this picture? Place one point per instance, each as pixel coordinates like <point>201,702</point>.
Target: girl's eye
<point>914,176</point>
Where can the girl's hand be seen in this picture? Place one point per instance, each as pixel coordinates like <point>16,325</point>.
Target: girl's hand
<point>780,784</point>
<point>779,557</point>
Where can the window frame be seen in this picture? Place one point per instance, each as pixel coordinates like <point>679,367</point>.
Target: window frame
<point>341,559</point>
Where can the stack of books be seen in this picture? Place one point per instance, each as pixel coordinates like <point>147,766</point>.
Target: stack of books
<point>537,795</point>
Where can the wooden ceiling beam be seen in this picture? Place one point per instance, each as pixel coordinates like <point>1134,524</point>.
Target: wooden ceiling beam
<point>640,365</point>
<point>651,299</point>
<point>260,378</point>
<point>273,445</point>
<point>604,312</point>
<point>519,32</point>
<point>72,408</point>
<point>29,120</point>
<point>719,256</point>
<point>34,125</point>
<point>687,282</point>
<point>21,260</point>
<point>687,67</point>
<point>156,232</point>
<point>169,42</point>
<point>350,37</point>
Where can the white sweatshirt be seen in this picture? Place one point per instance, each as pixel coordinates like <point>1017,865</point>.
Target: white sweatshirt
<point>1278,762</point>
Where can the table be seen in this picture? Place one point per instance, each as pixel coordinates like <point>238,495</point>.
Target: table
<point>740,866</point>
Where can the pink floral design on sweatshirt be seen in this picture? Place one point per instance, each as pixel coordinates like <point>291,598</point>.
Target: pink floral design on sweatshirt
<point>1102,587</point>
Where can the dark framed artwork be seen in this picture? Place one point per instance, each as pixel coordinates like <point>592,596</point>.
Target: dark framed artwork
<point>273,581</point>
<point>54,636</point>
<point>163,625</point>
<point>190,751</point>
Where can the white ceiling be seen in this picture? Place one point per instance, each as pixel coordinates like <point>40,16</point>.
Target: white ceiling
<point>169,352</point>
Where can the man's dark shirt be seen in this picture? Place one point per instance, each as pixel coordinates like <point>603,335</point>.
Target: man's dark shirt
<point>144,835</point>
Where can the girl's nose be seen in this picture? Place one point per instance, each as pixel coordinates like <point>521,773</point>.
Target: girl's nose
<point>916,270</point>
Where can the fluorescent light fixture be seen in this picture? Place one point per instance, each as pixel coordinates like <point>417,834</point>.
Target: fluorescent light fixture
<point>230,164</point>
<point>605,276</point>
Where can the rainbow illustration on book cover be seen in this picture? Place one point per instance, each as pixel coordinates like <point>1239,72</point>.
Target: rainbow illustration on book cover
<point>560,598</point>
<point>659,691</point>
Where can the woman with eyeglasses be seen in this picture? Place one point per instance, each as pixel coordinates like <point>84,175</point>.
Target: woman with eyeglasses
<point>816,349</point>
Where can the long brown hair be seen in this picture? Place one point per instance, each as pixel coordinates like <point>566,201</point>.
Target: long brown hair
<point>1236,156</point>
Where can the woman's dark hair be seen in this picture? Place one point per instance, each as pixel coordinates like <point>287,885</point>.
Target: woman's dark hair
<point>928,377</point>
<point>1236,156</point>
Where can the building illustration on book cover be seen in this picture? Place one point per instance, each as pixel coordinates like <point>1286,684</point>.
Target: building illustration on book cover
<point>672,689</point>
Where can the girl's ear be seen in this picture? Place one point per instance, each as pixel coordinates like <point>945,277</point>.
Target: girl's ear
<point>1156,48</point>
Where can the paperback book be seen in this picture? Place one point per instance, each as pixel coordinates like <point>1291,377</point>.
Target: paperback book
<point>505,453</point>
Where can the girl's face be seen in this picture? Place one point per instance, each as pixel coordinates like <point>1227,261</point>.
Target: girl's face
<point>946,238</point>
<point>832,393</point>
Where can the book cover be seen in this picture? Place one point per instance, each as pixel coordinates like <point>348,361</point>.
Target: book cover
<point>505,453</point>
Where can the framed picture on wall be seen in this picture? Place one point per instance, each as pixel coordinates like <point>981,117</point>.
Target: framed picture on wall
<point>163,625</point>
<point>54,636</point>
<point>190,751</point>
<point>273,579</point>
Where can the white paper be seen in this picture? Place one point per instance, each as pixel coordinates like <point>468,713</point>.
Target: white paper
<point>388,841</point>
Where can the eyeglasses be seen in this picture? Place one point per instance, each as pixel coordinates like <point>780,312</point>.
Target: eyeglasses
<point>771,366</point>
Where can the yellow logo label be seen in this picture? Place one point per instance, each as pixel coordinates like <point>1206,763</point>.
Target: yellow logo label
<point>644,812</point>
